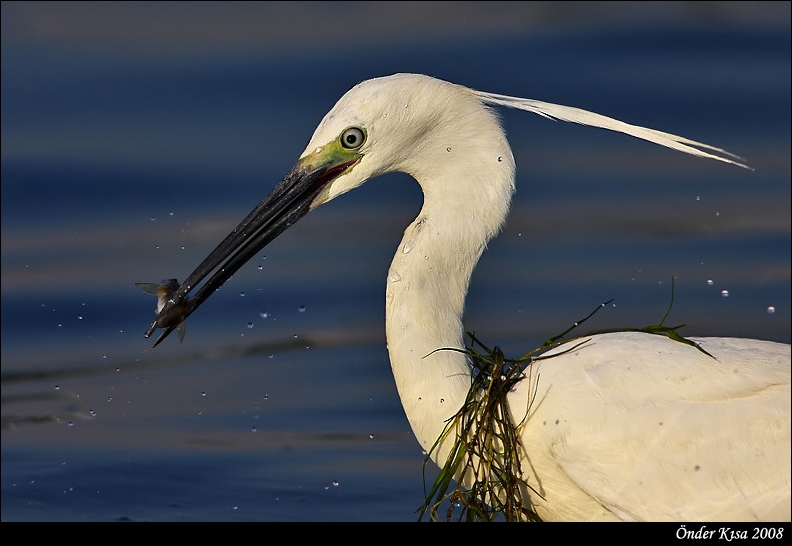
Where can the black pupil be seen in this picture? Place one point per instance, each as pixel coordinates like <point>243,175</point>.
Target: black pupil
<point>351,138</point>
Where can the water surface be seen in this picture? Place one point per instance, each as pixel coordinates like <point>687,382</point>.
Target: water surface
<point>127,160</point>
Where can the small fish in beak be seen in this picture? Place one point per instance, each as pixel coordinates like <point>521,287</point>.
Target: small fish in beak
<point>164,293</point>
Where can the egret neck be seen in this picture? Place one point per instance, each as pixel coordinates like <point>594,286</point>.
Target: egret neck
<point>429,276</point>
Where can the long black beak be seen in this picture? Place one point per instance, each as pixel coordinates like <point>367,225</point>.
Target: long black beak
<point>291,199</point>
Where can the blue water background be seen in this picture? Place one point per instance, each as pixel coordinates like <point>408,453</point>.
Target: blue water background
<point>135,136</point>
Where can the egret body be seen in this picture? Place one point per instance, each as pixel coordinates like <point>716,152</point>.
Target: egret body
<point>628,426</point>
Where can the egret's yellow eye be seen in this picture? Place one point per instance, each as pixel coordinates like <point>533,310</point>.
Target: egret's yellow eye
<point>353,138</point>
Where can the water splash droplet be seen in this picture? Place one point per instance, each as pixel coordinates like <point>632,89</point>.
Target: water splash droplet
<point>770,310</point>
<point>710,282</point>
<point>301,309</point>
<point>264,314</point>
<point>250,325</point>
<point>725,293</point>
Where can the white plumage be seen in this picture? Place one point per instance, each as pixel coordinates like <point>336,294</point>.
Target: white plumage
<point>629,426</point>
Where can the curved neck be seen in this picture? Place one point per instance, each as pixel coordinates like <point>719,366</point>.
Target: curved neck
<point>426,288</point>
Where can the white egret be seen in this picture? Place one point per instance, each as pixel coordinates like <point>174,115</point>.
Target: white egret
<point>628,426</point>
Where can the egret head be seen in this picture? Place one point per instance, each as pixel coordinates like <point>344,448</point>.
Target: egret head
<point>442,134</point>
<point>405,122</point>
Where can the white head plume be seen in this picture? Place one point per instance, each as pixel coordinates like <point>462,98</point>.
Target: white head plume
<point>584,117</point>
